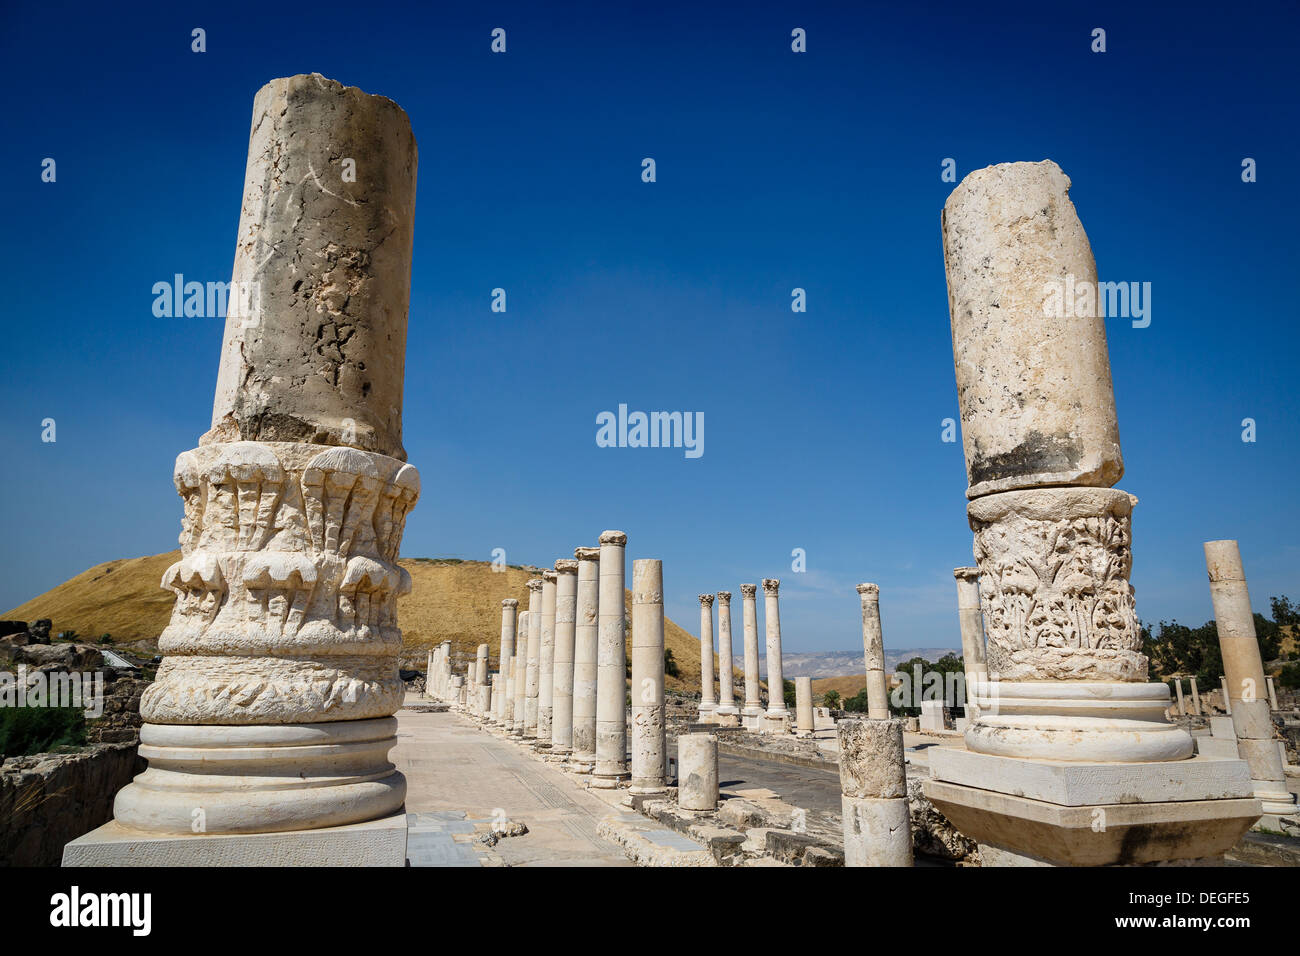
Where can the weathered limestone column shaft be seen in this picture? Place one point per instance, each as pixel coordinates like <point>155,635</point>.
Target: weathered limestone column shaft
<point>1272,694</point>
<point>1196,697</point>
<point>586,650</point>
<point>521,673</point>
<point>803,706</point>
<point>697,772</point>
<point>1178,690</point>
<point>753,694</point>
<point>970,618</point>
<point>1033,372</point>
<point>772,623</point>
<point>873,783</point>
<point>318,352</point>
<point>509,617</point>
<point>480,678</point>
<point>611,666</point>
<point>873,652</point>
<point>1244,673</point>
<point>272,708</point>
<point>566,609</point>
<point>708,702</point>
<point>546,663</point>
<point>1227,700</point>
<point>532,679</point>
<point>508,694</point>
<point>727,709</point>
<point>648,736</point>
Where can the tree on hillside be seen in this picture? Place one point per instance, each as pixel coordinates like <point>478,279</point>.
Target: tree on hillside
<point>831,699</point>
<point>1174,648</point>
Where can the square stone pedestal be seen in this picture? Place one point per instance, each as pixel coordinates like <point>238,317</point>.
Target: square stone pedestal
<point>1050,813</point>
<point>774,724</point>
<point>376,843</point>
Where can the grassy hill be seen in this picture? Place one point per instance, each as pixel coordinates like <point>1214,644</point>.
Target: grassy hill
<point>451,600</point>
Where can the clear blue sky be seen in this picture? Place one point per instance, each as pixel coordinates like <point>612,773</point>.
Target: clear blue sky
<point>775,170</point>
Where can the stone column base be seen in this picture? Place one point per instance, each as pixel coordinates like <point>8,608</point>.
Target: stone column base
<point>376,843</point>
<point>1077,813</point>
<point>606,782</point>
<point>262,778</point>
<point>1075,720</point>
<point>582,763</point>
<point>727,718</point>
<point>774,724</point>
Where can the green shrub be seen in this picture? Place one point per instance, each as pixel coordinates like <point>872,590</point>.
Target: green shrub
<point>38,730</point>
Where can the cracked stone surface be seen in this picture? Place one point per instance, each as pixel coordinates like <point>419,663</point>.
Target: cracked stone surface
<point>318,353</point>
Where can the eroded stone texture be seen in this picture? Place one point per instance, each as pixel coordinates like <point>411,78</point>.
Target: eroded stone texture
<point>873,652</point>
<point>611,665</point>
<point>1033,379</point>
<point>532,676</point>
<point>697,772</point>
<point>648,728</point>
<point>1054,569</point>
<point>871,758</point>
<point>566,609</point>
<point>318,353</point>
<point>586,650</point>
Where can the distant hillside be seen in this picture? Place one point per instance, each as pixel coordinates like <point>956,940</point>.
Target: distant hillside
<point>836,663</point>
<point>451,600</point>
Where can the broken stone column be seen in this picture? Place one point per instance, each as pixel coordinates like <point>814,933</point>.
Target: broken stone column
<point>1227,701</point>
<point>873,652</point>
<point>777,718</point>
<point>648,739</point>
<point>1196,697</point>
<point>546,663</point>
<point>752,712</point>
<point>1272,694</point>
<point>566,610</point>
<point>708,703</point>
<point>611,666</point>
<point>1052,541</point>
<point>726,713</point>
<point>1178,689</point>
<point>586,651</point>
<point>873,784</point>
<point>971,620</point>
<point>697,772</point>
<point>509,616</point>
<point>272,708</point>
<point>1244,669</point>
<point>803,707</point>
<point>532,679</point>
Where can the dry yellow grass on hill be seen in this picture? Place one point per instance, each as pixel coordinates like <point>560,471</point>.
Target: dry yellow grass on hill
<point>451,600</point>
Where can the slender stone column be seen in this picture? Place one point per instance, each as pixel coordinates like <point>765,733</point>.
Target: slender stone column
<point>521,674</point>
<point>494,687</point>
<point>546,663</point>
<point>1245,676</point>
<point>585,660</point>
<point>272,708</point>
<point>1178,689</point>
<point>708,703</point>
<point>873,782</point>
<point>648,738</point>
<point>532,679</point>
<point>697,772</point>
<point>509,617</point>
<point>611,666</point>
<point>873,652</point>
<point>777,718</point>
<point>1272,694</point>
<point>727,713</point>
<point>971,619</point>
<point>1196,698</point>
<point>480,679</point>
<point>1227,700</point>
<point>803,706</point>
<point>566,608</point>
<point>753,708</point>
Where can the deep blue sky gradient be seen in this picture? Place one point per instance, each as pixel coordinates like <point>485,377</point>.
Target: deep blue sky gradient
<point>775,170</point>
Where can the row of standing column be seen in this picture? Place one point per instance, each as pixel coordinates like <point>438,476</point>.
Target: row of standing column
<point>722,710</point>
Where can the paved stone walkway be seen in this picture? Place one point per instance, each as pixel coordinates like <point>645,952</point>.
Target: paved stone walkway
<point>460,778</point>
